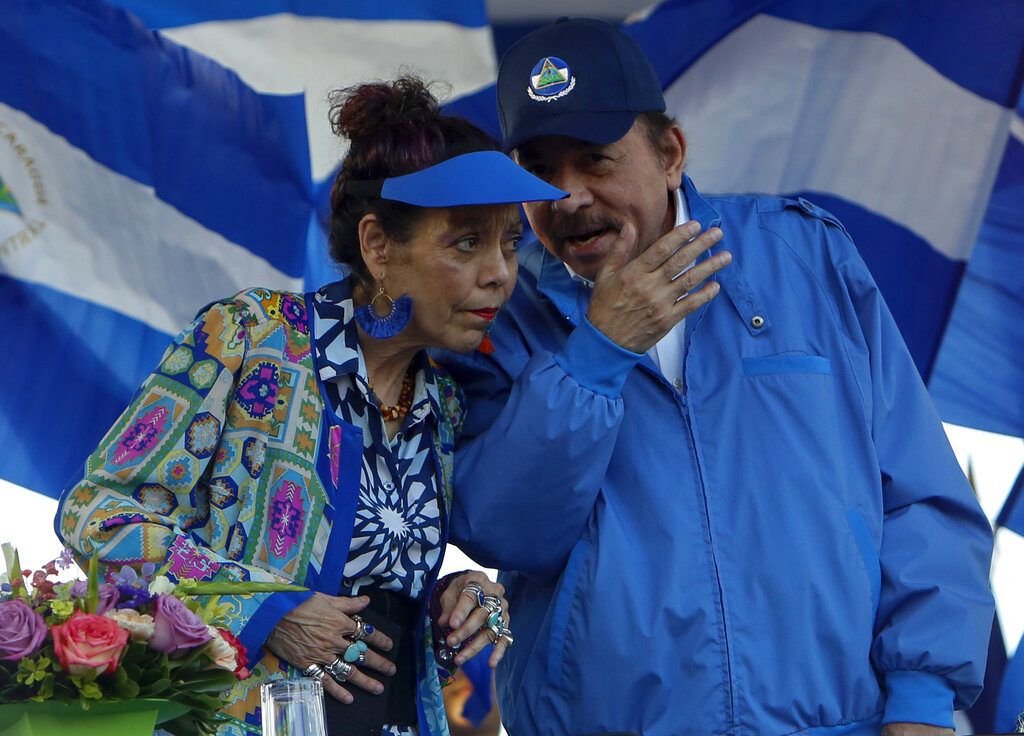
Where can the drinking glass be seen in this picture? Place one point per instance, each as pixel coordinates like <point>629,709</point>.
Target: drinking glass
<point>293,707</point>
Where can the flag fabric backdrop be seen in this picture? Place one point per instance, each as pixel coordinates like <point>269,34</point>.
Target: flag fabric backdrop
<point>897,116</point>
<point>141,178</point>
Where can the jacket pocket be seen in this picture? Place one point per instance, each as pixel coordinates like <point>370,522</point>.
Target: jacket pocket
<point>773,364</point>
<point>563,604</point>
<point>868,552</point>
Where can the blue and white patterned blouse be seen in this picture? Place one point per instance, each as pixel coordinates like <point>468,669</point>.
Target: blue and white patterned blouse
<point>396,538</point>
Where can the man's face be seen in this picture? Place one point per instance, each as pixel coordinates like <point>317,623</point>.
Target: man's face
<point>610,185</point>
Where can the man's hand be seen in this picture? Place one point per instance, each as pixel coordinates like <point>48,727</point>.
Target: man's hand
<point>636,303</point>
<point>914,729</point>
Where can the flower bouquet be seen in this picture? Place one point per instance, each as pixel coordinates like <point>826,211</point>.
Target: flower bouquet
<point>141,647</point>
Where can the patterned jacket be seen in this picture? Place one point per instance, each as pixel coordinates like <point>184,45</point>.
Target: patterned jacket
<point>226,465</point>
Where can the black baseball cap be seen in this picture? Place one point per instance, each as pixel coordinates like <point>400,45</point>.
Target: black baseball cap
<point>577,77</point>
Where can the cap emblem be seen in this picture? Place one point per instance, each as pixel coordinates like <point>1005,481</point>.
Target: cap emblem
<point>550,80</point>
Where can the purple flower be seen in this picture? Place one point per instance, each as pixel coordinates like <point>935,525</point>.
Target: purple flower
<point>22,630</point>
<point>176,630</point>
<point>148,568</point>
<point>133,597</point>
<point>127,576</point>
<point>65,560</point>
<point>109,596</point>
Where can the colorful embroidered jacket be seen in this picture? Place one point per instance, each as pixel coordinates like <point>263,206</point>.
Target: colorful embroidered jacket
<point>227,465</point>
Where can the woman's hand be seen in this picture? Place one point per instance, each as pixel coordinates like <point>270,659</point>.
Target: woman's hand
<point>461,613</point>
<point>312,634</point>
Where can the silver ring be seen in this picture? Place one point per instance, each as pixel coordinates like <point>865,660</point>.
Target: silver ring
<point>315,671</point>
<point>472,589</point>
<point>490,603</point>
<point>499,630</point>
<point>340,670</point>
<point>363,629</point>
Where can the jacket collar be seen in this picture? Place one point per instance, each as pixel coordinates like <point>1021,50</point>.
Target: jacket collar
<point>572,297</point>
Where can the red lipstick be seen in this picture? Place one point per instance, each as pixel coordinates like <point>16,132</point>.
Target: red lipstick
<point>489,313</point>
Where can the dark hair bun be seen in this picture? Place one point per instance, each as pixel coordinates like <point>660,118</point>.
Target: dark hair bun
<point>394,128</point>
<point>369,110</point>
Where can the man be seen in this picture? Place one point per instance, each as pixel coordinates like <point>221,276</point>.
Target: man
<point>721,498</point>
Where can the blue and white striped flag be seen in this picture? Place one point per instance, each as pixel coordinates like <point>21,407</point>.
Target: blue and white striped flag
<point>895,116</point>
<point>144,174</point>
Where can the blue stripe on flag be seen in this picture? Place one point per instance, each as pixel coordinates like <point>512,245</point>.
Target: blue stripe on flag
<point>163,14</point>
<point>1012,514</point>
<point>481,107</point>
<point>235,161</point>
<point>978,379</point>
<point>945,33</point>
<point>72,369</point>
<point>919,285</point>
<point>1011,693</point>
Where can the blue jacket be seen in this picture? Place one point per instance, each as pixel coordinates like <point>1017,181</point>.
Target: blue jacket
<point>786,546</point>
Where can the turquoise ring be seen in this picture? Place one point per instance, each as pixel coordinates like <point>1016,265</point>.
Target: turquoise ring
<point>355,652</point>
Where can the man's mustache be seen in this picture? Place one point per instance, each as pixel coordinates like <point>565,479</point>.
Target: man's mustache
<point>571,226</point>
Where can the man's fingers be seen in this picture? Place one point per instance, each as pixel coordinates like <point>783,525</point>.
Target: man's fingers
<point>621,250</point>
<point>696,299</point>
<point>691,279</point>
<point>690,252</point>
<point>664,247</point>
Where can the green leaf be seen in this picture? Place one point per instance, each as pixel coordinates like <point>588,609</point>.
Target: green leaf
<point>13,562</point>
<point>92,597</point>
<point>155,689</point>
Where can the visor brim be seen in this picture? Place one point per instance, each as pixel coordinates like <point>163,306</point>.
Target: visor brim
<point>479,178</point>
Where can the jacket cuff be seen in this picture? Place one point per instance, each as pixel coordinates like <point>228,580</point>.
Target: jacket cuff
<point>595,362</point>
<point>918,697</point>
<point>261,623</point>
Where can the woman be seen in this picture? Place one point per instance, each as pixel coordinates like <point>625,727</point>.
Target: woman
<point>309,438</point>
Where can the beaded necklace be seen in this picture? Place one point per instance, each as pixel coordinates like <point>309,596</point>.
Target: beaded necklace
<point>391,412</point>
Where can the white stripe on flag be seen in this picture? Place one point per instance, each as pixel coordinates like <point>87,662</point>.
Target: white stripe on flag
<point>99,235</point>
<point>799,108</point>
<point>283,53</point>
<point>1017,128</point>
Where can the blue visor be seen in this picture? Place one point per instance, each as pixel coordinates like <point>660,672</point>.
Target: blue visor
<point>482,177</point>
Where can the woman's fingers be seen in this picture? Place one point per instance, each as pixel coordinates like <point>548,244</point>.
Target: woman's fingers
<point>362,680</point>
<point>498,654</point>
<point>377,663</point>
<point>335,690</point>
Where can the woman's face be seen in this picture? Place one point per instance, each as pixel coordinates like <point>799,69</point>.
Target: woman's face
<point>459,268</point>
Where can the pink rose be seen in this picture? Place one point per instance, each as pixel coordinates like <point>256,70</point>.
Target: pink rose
<point>22,630</point>
<point>89,645</point>
<point>176,630</point>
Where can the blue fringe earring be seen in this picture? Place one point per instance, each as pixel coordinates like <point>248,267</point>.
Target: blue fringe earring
<point>381,327</point>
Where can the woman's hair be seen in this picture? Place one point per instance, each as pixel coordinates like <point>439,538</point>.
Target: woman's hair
<point>394,128</point>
